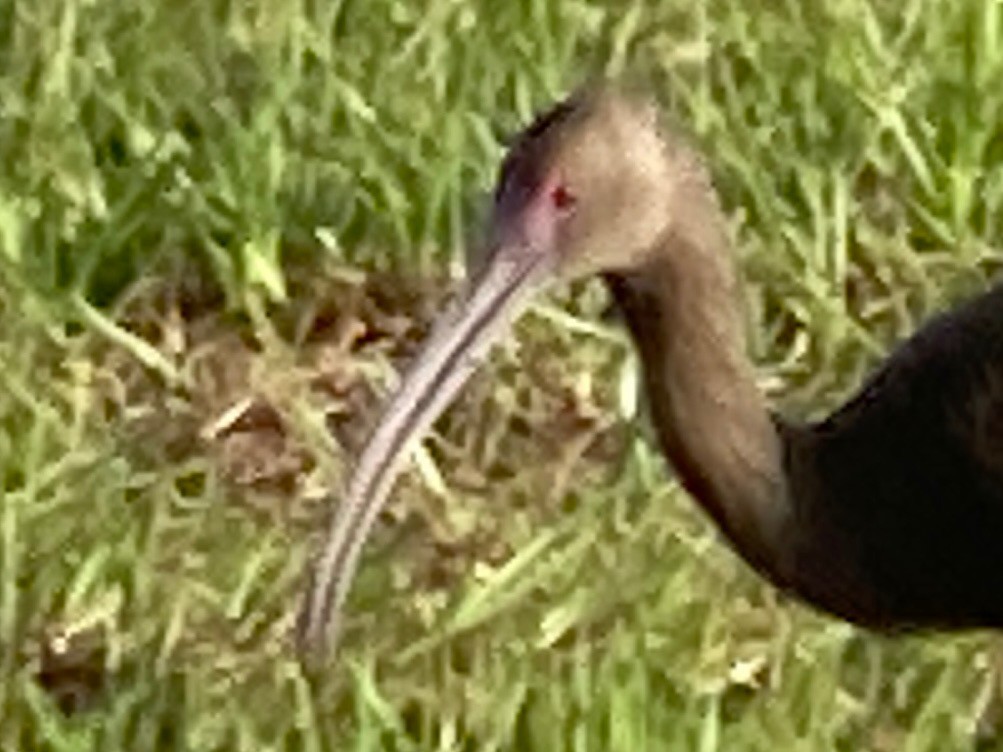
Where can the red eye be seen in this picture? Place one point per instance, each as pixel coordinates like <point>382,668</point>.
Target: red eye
<point>562,198</point>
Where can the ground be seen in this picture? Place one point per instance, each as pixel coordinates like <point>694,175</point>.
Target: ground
<point>224,227</point>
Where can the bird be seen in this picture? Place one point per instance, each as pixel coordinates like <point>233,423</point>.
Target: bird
<point>887,514</point>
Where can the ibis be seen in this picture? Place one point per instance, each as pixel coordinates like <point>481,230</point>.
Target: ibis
<point>888,513</point>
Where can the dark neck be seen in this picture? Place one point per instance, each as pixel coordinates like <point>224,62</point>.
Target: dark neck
<point>712,420</point>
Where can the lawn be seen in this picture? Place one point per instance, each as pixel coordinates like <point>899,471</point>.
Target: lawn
<point>225,226</point>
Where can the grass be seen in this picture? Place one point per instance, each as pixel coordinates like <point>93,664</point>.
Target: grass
<point>222,224</point>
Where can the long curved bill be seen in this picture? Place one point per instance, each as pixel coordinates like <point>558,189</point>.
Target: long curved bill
<point>458,342</point>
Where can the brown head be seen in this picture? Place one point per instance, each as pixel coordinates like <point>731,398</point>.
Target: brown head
<point>586,188</point>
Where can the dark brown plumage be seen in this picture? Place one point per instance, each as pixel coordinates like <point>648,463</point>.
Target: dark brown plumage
<point>889,513</point>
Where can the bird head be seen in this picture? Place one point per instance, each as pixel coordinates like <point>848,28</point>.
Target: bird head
<point>583,189</point>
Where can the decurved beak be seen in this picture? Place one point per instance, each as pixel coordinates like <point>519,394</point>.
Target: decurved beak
<point>460,339</point>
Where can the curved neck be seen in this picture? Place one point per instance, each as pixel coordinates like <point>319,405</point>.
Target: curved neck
<point>711,419</point>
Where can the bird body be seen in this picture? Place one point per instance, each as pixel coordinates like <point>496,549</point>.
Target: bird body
<point>907,480</point>
<point>889,513</point>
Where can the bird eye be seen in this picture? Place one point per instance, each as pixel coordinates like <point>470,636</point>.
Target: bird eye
<point>562,198</point>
